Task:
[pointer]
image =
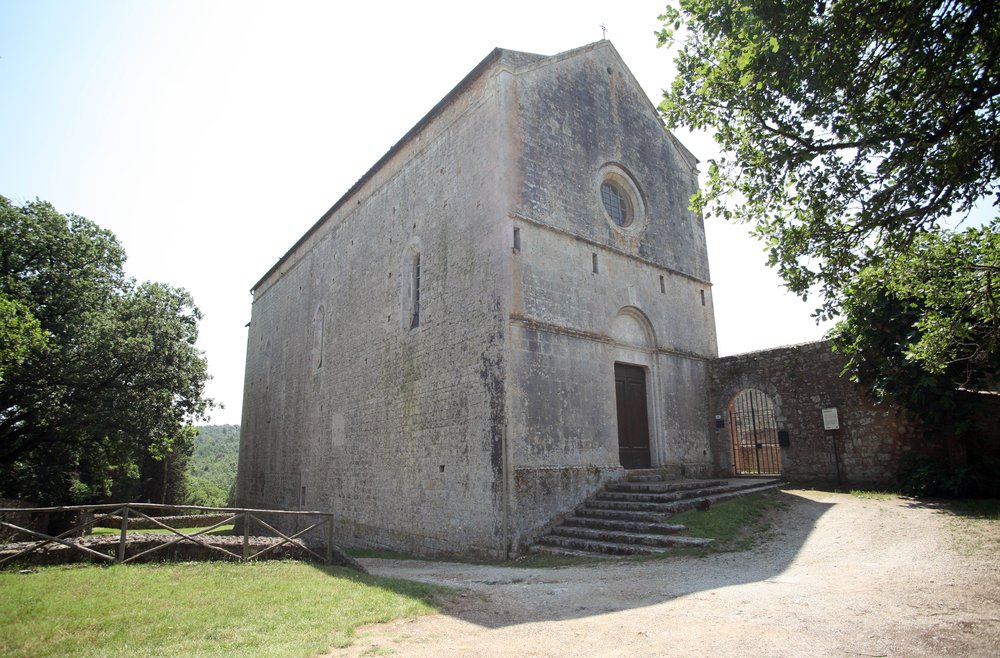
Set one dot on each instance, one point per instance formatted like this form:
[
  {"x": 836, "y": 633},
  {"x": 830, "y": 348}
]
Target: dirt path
[{"x": 842, "y": 576}]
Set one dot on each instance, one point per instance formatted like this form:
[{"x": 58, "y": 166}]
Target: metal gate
[{"x": 755, "y": 434}]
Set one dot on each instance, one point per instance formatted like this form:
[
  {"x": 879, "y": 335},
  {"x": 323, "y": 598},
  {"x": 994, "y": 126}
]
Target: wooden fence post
[
  {"x": 329, "y": 540},
  {"x": 122, "y": 540},
  {"x": 246, "y": 535}
]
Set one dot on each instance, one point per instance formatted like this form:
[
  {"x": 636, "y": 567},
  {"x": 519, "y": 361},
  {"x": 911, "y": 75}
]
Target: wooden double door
[{"x": 633, "y": 421}]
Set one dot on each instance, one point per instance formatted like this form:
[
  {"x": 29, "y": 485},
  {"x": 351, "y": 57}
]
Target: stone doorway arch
[{"x": 636, "y": 386}]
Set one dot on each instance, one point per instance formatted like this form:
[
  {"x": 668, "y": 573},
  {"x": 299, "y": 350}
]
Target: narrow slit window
[
  {"x": 415, "y": 316},
  {"x": 594, "y": 258},
  {"x": 702, "y": 296},
  {"x": 663, "y": 285},
  {"x": 319, "y": 335},
  {"x": 517, "y": 240}
]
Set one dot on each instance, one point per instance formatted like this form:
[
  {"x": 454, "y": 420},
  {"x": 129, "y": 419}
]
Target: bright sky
[{"x": 208, "y": 135}]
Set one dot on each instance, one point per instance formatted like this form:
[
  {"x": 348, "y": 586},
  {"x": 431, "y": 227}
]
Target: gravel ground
[{"x": 839, "y": 576}]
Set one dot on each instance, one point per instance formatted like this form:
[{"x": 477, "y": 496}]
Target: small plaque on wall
[{"x": 830, "y": 419}]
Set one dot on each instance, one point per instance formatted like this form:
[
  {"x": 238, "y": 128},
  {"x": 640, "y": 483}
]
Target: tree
[
  {"x": 211, "y": 476},
  {"x": 926, "y": 322},
  {"x": 851, "y": 131},
  {"x": 934, "y": 302},
  {"x": 116, "y": 376}
]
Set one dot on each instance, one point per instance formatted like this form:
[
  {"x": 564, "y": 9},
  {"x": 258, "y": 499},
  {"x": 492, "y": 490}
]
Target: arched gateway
[{"x": 754, "y": 430}]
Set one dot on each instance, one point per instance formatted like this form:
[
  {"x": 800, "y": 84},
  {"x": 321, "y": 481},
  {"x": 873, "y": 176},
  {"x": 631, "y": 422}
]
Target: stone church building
[{"x": 506, "y": 311}]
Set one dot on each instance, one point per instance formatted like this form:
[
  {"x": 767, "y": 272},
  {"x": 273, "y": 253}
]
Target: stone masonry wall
[
  {"x": 581, "y": 112},
  {"x": 802, "y": 380},
  {"x": 588, "y": 293},
  {"x": 396, "y": 431}
]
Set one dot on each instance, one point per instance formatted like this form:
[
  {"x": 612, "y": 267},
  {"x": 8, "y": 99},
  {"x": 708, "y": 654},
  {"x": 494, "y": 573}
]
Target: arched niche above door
[{"x": 631, "y": 327}]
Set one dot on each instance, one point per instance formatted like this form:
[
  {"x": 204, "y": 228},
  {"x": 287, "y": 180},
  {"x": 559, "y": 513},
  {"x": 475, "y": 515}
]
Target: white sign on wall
[{"x": 830, "y": 419}]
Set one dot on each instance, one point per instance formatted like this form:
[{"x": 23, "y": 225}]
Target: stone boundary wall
[
  {"x": 37, "y": 521},
  {"x": 801, "y": 381},
  {"x": 185, "y": 521}
]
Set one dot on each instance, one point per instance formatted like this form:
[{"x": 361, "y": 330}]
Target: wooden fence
[{"x": 90, "y": 516}]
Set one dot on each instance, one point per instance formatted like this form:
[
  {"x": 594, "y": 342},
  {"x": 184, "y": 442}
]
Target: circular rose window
[
  {"x": 620, "y": 198},
  {"x": 616, "y": 203}
]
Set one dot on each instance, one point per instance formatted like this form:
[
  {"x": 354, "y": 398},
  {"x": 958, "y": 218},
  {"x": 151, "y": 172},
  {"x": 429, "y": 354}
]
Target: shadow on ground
[
  {"x": 986, "y": 508},
  {"x": 497, "y": 596}
]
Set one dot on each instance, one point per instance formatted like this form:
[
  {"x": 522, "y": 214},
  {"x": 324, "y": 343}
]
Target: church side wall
[{"x": 396, "y": 431}]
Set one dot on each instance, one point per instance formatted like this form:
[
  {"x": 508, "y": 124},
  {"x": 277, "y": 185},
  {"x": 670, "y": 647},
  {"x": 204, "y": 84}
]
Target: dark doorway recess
[
  {"x": 756, "y": 449},
  {"x": 633, "y": 423}
]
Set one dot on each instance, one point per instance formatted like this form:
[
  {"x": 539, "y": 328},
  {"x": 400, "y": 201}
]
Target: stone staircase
[{"x": 630, "y": 517}]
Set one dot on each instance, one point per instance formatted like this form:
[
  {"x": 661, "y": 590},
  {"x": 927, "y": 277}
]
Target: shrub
[{"x": 923, "y": 476}]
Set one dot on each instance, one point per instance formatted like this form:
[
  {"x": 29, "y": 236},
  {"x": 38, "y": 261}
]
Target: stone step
[
  {"x": 642, "y": 527},
  {"x": 618, "y": 515},
  {"x": 626, "y": 521},
  {"x": 647, "y": 476},
  {"x": 672, "y": 506},
  {"x": 668, "y": 496},
  {"x": 592, "y": 547},
  {"x": 619, "y": 537},
  {"x": 571, "y": 552},
  {"x": 674, "y": 472},
  {"x": 693, "y": 503},
  {"x": 652, "y": 497},
  {"x": 631, "y": 506},
  {"x": 663, "y": 486}
]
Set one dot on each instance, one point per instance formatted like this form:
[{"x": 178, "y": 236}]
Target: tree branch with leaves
[{"x": 852, "y": 132}]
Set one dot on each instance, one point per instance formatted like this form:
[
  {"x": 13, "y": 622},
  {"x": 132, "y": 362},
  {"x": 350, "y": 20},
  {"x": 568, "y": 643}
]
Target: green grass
[
  {"x": 735, "y": 525},
  {"x": 204, "y": 609}
]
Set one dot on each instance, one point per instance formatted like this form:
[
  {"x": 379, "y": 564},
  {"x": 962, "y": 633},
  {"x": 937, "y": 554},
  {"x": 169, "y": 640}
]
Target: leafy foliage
[
  {"x": 851, "y": 130},
  {"x": 925, "y": 324},
  {"x": 20, "y": 333},
  {"x": 102, "y": 398},
  {"x": 955, "y": 280},
  {"x": 211, "y": 474}
]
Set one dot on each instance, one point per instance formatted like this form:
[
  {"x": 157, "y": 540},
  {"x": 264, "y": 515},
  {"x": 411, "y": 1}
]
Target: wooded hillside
[{"x": 212, "y": 469}]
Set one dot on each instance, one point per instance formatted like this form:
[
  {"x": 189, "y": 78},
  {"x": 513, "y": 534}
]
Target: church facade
[{"x": 511, "y": 308}]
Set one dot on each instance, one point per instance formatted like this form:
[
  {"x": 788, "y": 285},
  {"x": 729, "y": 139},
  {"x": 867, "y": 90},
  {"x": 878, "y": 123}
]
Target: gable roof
[{"x": 498, "y": 57}]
